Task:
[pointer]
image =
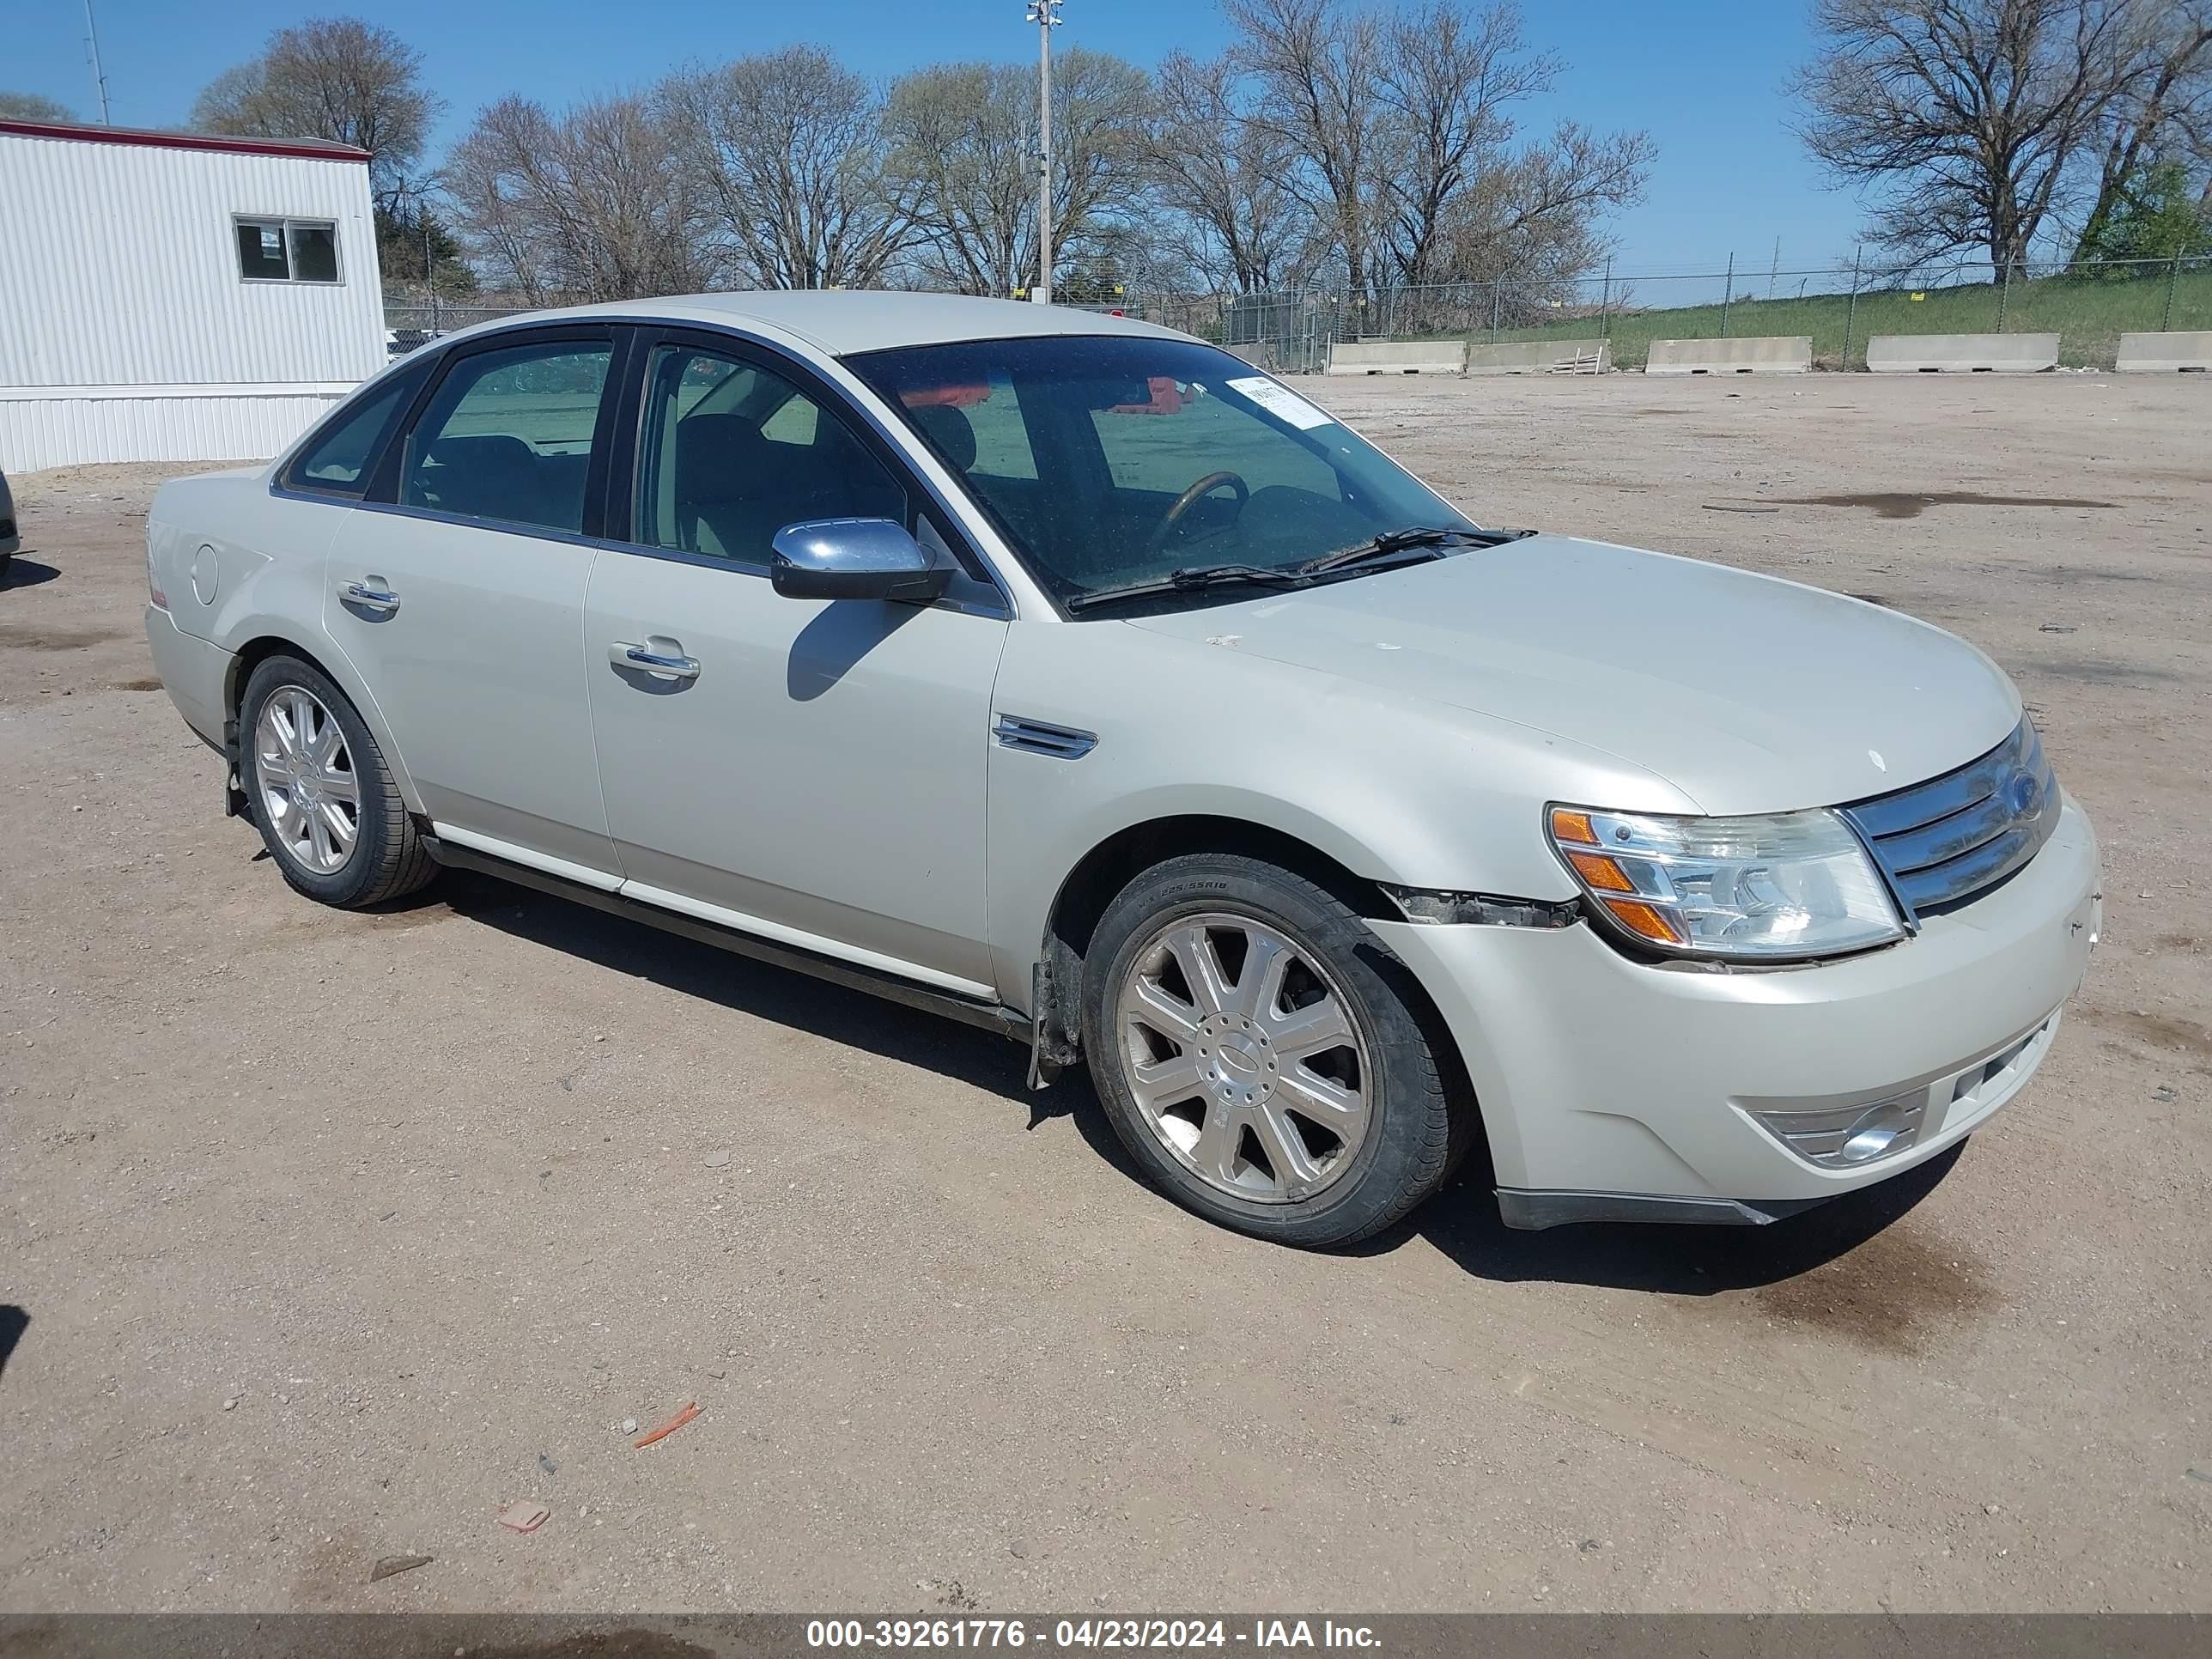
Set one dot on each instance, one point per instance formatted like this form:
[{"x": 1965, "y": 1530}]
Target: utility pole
[
  {"x": 98, "y": 75},
  {"x": 1045, "y": 14},
  {"x": 1851, "y": 314}
]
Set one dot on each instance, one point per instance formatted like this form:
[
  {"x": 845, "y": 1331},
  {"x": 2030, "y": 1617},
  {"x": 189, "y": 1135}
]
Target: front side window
[
  {"x": 288, "y": 250},
  {"x": 730, "y": 453},
  {"x": 508, "y": 437},
  {"x": 1114, "y": 460}
]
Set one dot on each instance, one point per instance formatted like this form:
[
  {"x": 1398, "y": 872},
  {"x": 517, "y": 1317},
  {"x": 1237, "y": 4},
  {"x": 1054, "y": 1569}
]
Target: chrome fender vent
[{"x": 1044, "y": 738}]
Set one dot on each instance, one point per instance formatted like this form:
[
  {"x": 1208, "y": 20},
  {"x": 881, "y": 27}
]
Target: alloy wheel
[
  {"x": 308, "y": 788},
  {"x": 1242, "y": 1053}
]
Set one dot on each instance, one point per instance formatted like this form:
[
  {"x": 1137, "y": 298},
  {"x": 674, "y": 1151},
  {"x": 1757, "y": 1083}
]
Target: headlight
[{"x": 1794, "y": 885}]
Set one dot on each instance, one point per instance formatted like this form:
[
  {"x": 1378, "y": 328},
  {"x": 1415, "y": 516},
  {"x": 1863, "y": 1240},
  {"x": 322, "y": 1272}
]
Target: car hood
[{"x": 1747, "y": 692}]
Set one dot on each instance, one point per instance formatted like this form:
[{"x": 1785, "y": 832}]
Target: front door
[
  {"x": 460, "y": 598},
  {"x": 810, "y": 769}
]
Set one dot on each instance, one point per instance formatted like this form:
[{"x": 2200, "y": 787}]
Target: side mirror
[{"x": 854, "y": 559}]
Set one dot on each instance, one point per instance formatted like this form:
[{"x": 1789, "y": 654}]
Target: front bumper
[{"x": 1616, "y": 1090}]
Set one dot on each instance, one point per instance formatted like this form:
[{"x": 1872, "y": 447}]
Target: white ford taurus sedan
[{"x": 1075, "y": 678}]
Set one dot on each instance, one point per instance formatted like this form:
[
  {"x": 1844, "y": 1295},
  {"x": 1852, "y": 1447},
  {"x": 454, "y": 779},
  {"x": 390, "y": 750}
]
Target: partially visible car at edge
[
  {"x": 1073, "y": 677},
  {"x": 11, "y": 536}
]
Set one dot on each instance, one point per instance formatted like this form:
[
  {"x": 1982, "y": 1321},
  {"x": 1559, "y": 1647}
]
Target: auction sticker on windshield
[{"x": 1281, "y": 402}]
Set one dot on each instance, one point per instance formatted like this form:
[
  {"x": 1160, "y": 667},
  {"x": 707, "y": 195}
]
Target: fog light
[
  {"x": 1876, "y": 1133},
  {"x": 1843, "y": 1137}
]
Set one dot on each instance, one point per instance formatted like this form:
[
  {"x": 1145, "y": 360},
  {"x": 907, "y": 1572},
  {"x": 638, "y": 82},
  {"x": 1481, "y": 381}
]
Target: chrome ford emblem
[{"x": 2022, "y": 791}]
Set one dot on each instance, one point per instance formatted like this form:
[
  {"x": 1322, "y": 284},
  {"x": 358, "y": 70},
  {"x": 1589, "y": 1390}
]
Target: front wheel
[{"x": 1258, "y": 1051}]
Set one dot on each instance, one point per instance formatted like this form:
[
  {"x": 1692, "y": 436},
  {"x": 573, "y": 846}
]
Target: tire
[
  {"x": 1384, "y": 1162},
  {"x": 387, "y": 859}
]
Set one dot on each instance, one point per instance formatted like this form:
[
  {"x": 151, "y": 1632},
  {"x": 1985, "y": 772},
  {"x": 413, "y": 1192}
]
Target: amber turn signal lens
[
  {"x": 1642, "y": 919},
  {"x": 1572, "y": 826},
  {"x": 1600, "y": 872}
]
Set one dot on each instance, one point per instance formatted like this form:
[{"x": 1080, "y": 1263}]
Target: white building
[{"x": 168, "y": 296}]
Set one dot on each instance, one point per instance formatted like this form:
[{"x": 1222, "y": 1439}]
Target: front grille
[{"x": 1952, "y": 838}]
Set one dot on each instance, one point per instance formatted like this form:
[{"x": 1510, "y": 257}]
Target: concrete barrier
[
  {"x": 1772, "y": 354},
  {"x": 2151, "y": 354},
  {"x": 1540, "y": 357},
  {"x": 1397, "y": 356},
  {"x": 1961, "y": 354}
]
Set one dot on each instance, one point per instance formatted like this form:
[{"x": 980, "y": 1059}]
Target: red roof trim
[{"x": 313, "y": 149}]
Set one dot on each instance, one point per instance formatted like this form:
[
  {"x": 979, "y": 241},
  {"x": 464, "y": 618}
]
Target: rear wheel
[
  {"x": 1258, "y": 1051},
  {"x": 320, "y": 792}
]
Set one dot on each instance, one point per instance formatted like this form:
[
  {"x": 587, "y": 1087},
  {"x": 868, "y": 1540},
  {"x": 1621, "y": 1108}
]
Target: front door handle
[
  {"x": 674, "y": 666},
  {"x": 370, "y": 595}
]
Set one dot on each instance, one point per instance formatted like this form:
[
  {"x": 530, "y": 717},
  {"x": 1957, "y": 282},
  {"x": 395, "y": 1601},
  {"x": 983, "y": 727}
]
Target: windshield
[{"x": 1111, "y": 461}]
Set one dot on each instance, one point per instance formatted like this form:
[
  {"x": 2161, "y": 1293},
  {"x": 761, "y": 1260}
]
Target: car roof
[{"x": 842, "y": 322}]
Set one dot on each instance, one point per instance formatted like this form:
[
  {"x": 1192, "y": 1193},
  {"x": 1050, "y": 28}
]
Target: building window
[{"x": 288, "y": 250}]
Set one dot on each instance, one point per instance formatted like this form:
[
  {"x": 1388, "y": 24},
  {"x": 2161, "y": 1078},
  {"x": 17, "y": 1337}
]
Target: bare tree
[
  {"x": 1396, "y": 129},
  {"x": 1317, "y": 67},
  {"x": 31, "y": 106},
  {"x": 1222, "y": 180},
  {"x": 1537, "y": 214},
  {"x": 1963, "y": 117},
  {"x": 588, "y": 205},
  {"x": 339, "y": 78},
  {"x": 963, "y": 148},
  {"x": 1445, "y": 82},
  {"x": 1449, "y": 177},
  {"x": 785, "y": 151},
  {"x": 2163, "y": 113}
]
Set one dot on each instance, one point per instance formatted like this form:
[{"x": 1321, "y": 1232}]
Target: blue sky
[{"x": 1704, "y": 80}]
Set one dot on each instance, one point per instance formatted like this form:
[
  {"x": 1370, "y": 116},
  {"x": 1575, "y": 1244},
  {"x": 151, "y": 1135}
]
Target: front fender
[{"x": 1396, "y": 789}]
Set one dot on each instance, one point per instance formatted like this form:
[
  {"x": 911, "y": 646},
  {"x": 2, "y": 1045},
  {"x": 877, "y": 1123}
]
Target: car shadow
[
  {"x": 1460, "y": 1221},
  {"x": 833, "y": 643},
  {"x": 26, "y": 573},
  {"x": 14, "y": 1321},
  {"x": 1682, "y": 1260},
  {"x": 766, "y": 992}
]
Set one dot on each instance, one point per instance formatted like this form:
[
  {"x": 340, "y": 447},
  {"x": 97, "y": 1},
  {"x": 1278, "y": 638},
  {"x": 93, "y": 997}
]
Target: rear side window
[
  {"x": 336, "y": 458},
  {"x": 508, "y": 438}
]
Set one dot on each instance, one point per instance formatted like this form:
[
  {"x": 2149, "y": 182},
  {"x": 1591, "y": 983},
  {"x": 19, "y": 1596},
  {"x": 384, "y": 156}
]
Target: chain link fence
[
  {"x": 2088, "y": 305},
  {"x": 408, "y": 324}
]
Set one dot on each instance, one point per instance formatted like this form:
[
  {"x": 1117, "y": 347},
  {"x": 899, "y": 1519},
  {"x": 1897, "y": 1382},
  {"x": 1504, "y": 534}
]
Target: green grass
[{"x": 2088, "y": 314}]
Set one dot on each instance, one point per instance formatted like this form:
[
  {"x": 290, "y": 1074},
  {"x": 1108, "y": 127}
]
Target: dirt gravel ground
[{"x": 337, "y": 1232}]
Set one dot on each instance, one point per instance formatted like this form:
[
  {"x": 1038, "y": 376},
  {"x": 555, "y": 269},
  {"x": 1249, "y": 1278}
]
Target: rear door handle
[
  {"x": 674, "y": 666},
  {"x": 370, "y": 595}
]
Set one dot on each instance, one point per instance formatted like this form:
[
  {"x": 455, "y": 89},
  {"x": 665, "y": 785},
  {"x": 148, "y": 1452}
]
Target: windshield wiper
[
  {"x": 1190, "y": 579},
  {"x": 1428, "y": 540}
]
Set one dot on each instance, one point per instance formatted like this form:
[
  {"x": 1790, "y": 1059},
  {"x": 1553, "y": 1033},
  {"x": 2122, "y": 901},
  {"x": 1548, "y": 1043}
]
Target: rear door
[
  {"x": 815, "y": 769},
  {"x": 457, "y": 592}
]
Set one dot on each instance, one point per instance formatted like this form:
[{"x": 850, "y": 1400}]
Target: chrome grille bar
[{"x": 1945, "y": 842}]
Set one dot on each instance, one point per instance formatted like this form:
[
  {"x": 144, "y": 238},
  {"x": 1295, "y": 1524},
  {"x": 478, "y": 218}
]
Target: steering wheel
[{"x": 1190, "y": 498}]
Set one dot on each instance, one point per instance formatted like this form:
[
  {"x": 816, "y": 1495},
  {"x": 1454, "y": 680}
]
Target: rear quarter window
[{"x": 337, "y": 460}]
